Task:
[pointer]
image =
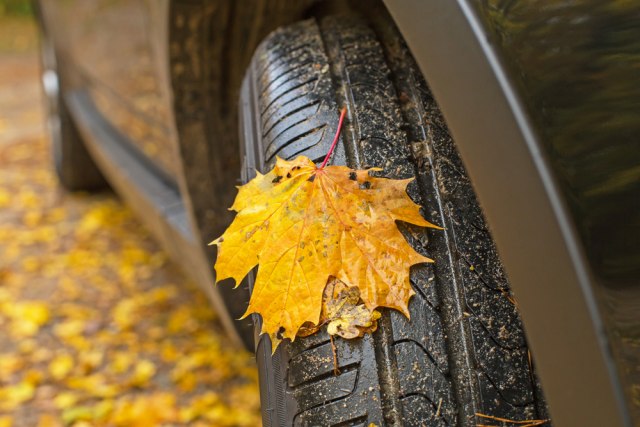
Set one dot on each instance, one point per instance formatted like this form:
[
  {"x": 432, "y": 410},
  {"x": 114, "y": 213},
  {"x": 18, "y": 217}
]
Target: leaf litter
[{"x": 97, "y": 328}]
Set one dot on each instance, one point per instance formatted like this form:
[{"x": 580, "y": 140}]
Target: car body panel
[
  {"x": 158, "y": 202},
  {"x": 119, "y": 49},
  {"x": 156, "y": 195},
  {"x": 504, "y": 150},
  {"x": 583, "y": 97}
]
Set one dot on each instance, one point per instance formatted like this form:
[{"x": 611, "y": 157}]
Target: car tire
[
  {"x": 464, "y": 351},
  {"x": 74, "y": 166}
]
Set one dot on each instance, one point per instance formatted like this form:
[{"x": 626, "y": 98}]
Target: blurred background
[{"x": 97, "y": 327}]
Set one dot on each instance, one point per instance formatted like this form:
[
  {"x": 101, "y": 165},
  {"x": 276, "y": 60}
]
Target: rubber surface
[{"x": 464, "y": 350}]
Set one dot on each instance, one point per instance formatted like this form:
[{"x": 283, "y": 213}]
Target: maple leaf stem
[
  {"x": 343, "y": 112},
  {"x": 336, "y": 370}
]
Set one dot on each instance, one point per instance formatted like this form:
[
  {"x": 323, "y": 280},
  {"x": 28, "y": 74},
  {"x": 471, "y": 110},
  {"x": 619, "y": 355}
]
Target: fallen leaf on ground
[
  {"x": 65, "y": 399},
  {"x": 72, "y": 415},
  {"x": 66, "y": 262},
  {"x": 142, "y": 411},
  {"x": 28, "y": 317},
  {"x": 142, "y": 373},
  {"x": 14, "y": 395},
  {"x": 303, "y": 224},
  {"x": 48, "y": 420},
  {"x": 343, "y": 312},
  {"x": 9, "y": 364},
  {"x": 60, "y": 366}
]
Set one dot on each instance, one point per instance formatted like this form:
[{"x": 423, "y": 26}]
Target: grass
[
  {"x": 18, "y": 31},
  {"x": 19, "y": 8}
]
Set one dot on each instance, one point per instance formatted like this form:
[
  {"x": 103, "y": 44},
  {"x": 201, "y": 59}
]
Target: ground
[{"x": 97, "y": 326}]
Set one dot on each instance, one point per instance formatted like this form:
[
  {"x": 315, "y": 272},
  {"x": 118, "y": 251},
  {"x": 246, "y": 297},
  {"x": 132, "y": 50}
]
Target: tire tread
[{"x": 464, "y": 350}]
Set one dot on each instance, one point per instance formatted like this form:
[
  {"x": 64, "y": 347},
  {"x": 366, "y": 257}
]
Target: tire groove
[
  {"x": 293, "y": 140},
  {"x": 419, "y": 345},
  {"x": 289, "y": 114},
  {"x": 337, "y": 399},
  {"x": 272, "y": 101},
  {"x": 343, "y": 370},
  {"x": 299, "y": 67},
  {"x": 265, "y": 119}
]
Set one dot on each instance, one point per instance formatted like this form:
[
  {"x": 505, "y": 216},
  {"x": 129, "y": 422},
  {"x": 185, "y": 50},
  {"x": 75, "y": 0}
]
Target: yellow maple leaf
[
  {"x": 61, "y": 366},
  {"x": 143, "y": 371},
  {"x": 66, "y": 399},
  {"x": 14, "y": 395},
  {"x": 303, "y": 224},
  {"x": 5, "y": 198},
  {"x": 121, "y": 362},
  {"x": 10, "y": 363},
  {"x": 146, "y": 410},
  {"x": 28, "y": 317},
  {"x": 48, "y": 420}
]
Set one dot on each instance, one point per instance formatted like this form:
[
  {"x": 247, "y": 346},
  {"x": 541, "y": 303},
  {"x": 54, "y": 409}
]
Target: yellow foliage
[
  {"x": 97, "y": 346},
  {"x": 60, "y": 366},
  {"x": 124, "y": 313},
  {"x": 344, "y": 313},
  {"x": 65, "y": 399},
  {"x": 14, "y": 395},
  {"x": 27, "y": 317},
  {"x": 69, "y": 328},
  {"x": 302, "y": 224},
  {"x": 9, "y": 364},
  {"x": 5, "y": 198},
  {"x": 181, "y": 320},
  {"x": 143, "y": 411},
  {"x": 33, "y": 377},
  {"x": 142, "y": 373},
  {"x": 94, "y": 385},
  {"x": 103, "y": 410},
  {"x": 169, "y": 352},
  {"x": 199, "y": 406},
  {"x": 121, "y": 362},
  {"x": 75, "y": 415},
  {"x": 48, "y": 420},
  {"x": 88, "y": 361},
  {"x": 27, "y": 346}
]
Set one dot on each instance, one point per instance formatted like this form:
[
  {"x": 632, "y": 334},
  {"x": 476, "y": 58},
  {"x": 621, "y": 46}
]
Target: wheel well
[{"x": 210, "y": 46}]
